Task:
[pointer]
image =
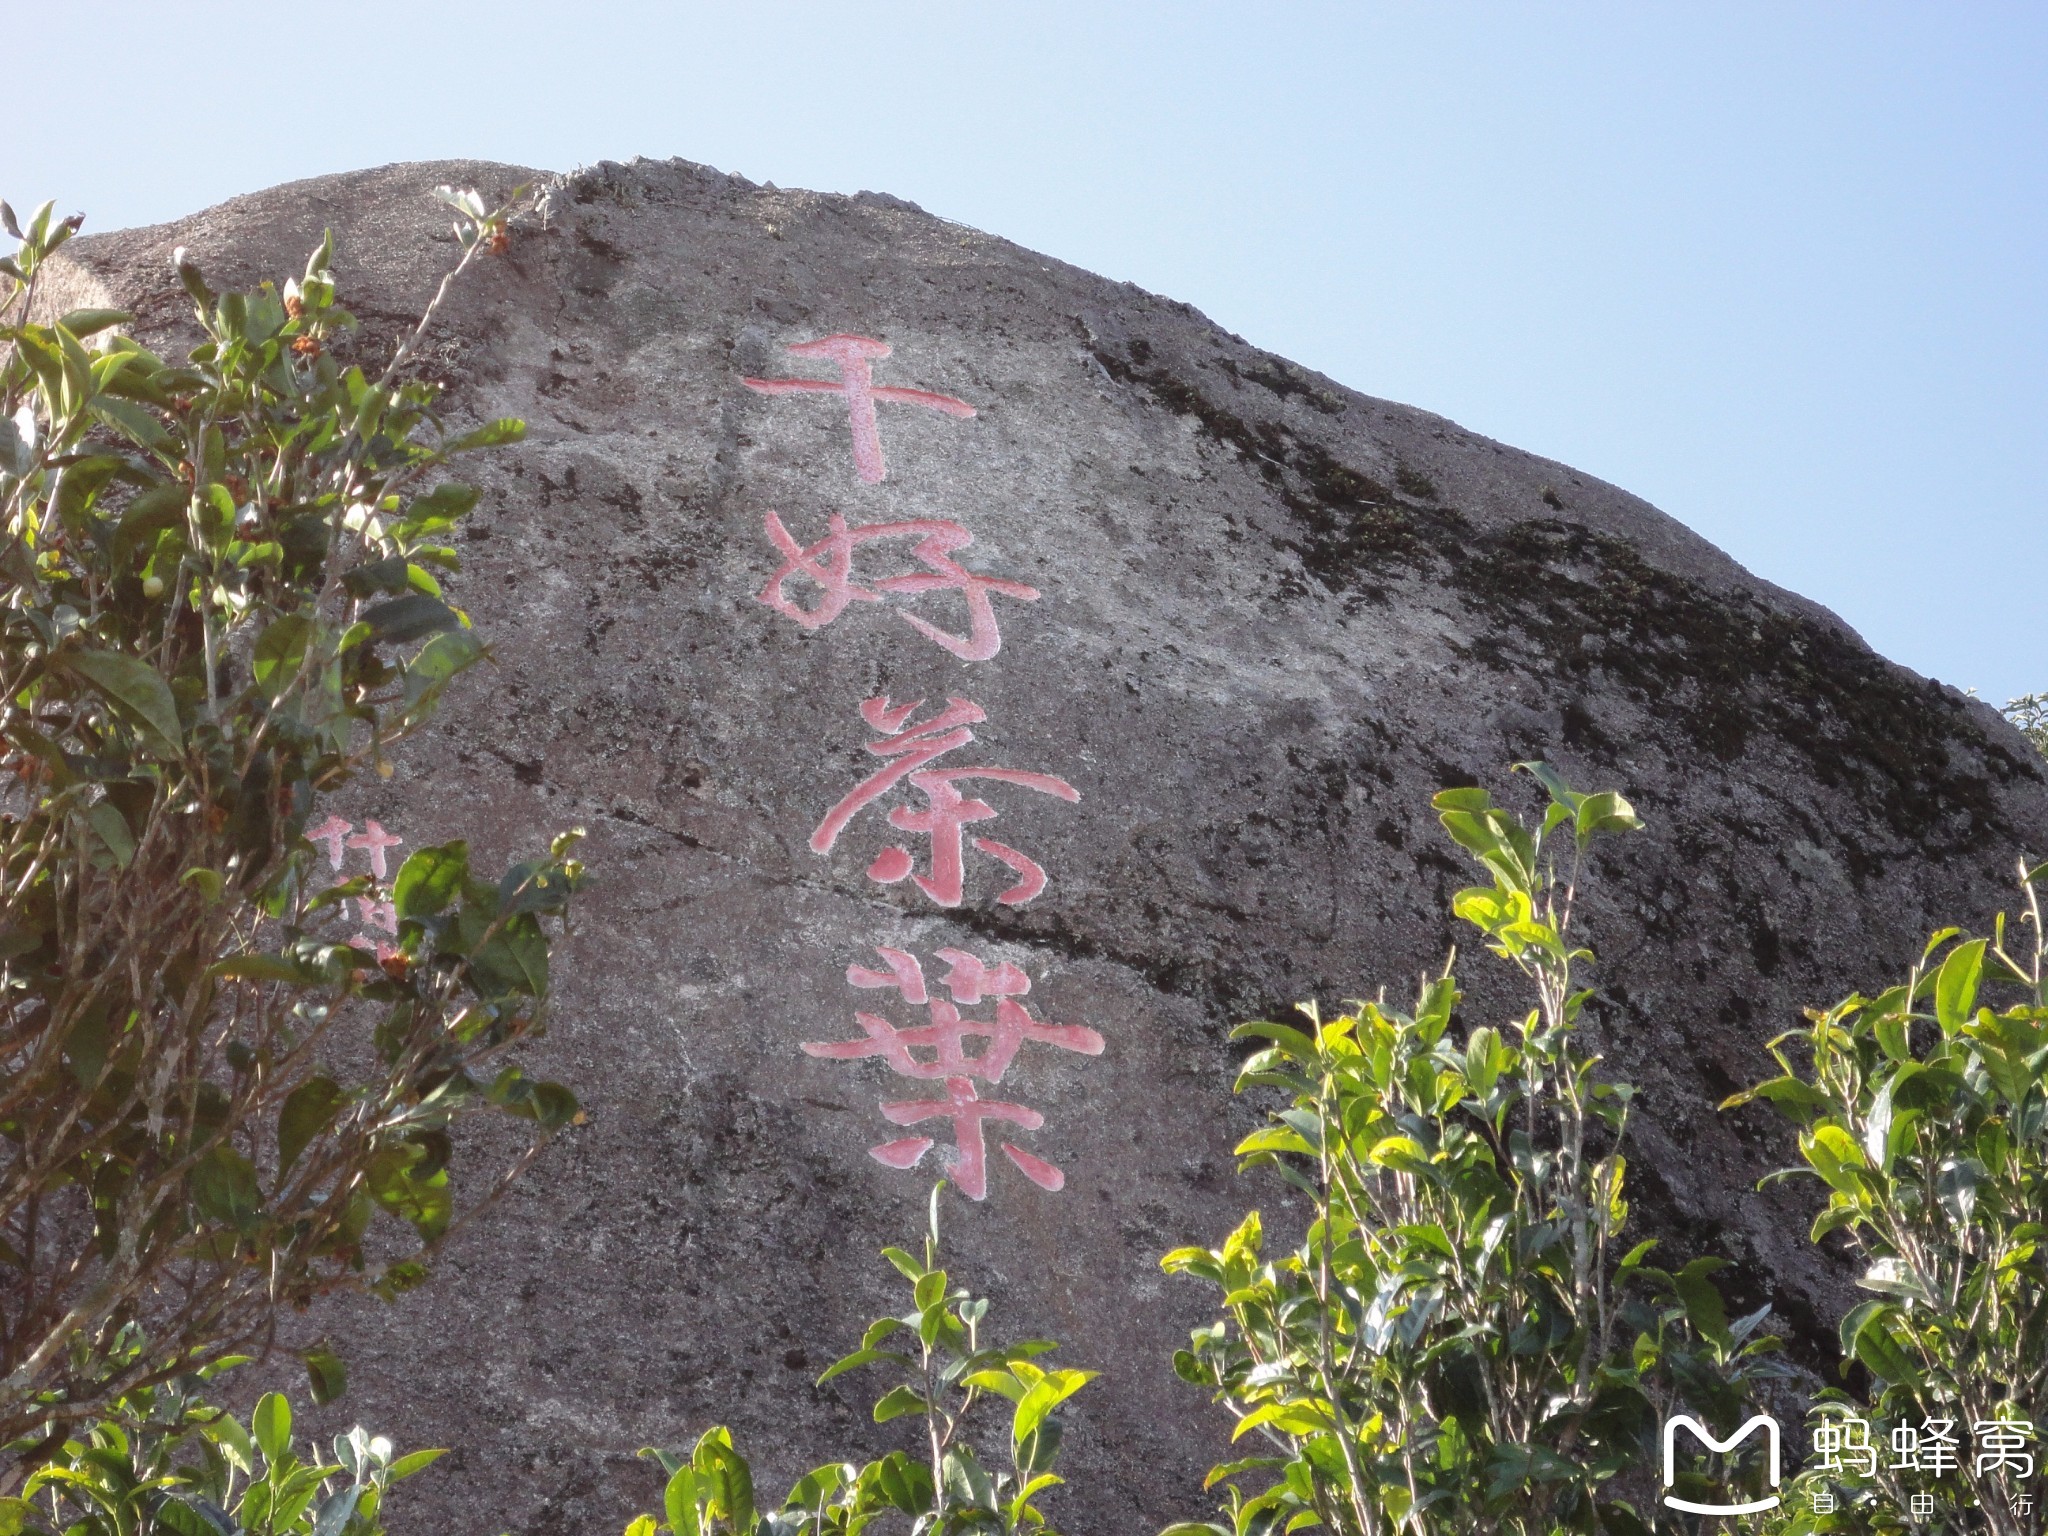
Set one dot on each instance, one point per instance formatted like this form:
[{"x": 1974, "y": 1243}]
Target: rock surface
[{"x": 1272, "y": 616}]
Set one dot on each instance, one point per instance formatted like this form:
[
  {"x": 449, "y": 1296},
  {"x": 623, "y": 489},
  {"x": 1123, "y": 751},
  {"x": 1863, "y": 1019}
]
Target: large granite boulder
[{"x": 1157, "y": 745}]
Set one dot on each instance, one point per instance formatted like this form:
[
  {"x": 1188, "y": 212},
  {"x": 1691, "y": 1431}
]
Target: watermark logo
[{"x": 1700, "y": 1432}]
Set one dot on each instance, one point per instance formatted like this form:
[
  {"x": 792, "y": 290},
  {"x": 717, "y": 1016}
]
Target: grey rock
[{"x": 1275, "y": 616}]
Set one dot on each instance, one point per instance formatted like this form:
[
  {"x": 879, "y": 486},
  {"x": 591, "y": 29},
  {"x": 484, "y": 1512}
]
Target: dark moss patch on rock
[
  {"x": 1577, "y": 608},
  {"x": 1349, "y": 527},
  {"x": 1581, "y": 606}
]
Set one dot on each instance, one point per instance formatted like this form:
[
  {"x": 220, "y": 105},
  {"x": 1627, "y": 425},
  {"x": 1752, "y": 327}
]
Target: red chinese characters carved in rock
[
  {"x": 945, "y": 811},
  {"x": 336, "y": 837},
  {"x": 829, "y": 564},
  {"x": 855, "y": 357},
  {"x": 937, "y": 1052}
]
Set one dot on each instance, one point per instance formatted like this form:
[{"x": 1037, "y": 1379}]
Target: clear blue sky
[{"x": 1777, "y": 267}]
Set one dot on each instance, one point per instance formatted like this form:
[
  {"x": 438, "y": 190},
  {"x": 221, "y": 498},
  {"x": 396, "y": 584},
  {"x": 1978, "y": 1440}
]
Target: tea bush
[
  {"x": 218, "y": 605},
  {"x": 1457, "y": 1343},
  {"x": 945, "y": 1370},
  {"x": 166, "y": 1461},
  {"x": 1922, "y": 1112}
]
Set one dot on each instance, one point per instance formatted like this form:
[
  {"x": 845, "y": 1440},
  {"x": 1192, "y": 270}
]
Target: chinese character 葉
[{"x": 937, "y": 1051}]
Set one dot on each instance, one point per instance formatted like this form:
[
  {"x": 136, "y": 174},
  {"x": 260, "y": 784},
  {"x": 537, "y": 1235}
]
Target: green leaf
[
  {"x": 1955, "y": 985},
  {"x": 1604, "y": 813},
  {"x": 1290, "y": 1041},
  {"x": 135, "y": 689},
  {"x": 429, "y": 879},
  {"x": 130, "y": 419},
  {"x": 181, "y": 1519},
  {"x": 968, "y": 1484},
  {"x": 857, "y": 1359},
  {"x": 819, "y": 1486},
  {"x": 90, "y": 322},
  {"x": 207, "y": 882},
  {"x": 514, "y": 960},
  {"x": 1831, "y": 1219},
  {"x": 1289, "y": 1418},
  {"x": 1054, "y": 1388},
  {"x": 332, "y": 1515},
  {"x": 1192, "y": 1261},
  {"x": 551, "y": 1105},
  {"x": 729, "y": 1480},
  {"x": 227, "y": 1433},
  {"x": 147, "y": 515},
  {"x": 1881, "y": 1353},
  {"x": 1001, "y": 1382},
  {"x": 439, "y": 661},
  {"x": 1877, "y": 1130},
  {"x": 327, "y": 1373},
  {"x": 1491, "y": 907},
  {"x": 280, "y": 652},
  {"x": 903, "y": 1482},
  {"x": 423, "y": 1201},
  {"x": 1894, "y": 1277},
  {"x": 107, "y": 821},
  {"x": 441, "y": 507},
  {"x": 1787, "y": 1092},
  {"x": 1401, "y": 1153},
  {"x": 397, "y": 1279},
  {"x": 679, "y": 1502},
  {"x": 263, "y": 968},
  {"x": 308, "y": 1109},
  {"x": 376, "y": 576},
  {"x": 271, "y": 1424},
  {"x": 411, "y": 617},
  {"x": 896, "y": 1402},
  {"x": 223, "y": 1189},
  {"x": 2014, "y": 1050},
  {"x": 1704, "y": 1308},
  {"x": 415, "y": 1461},
  {"x": 492, "y": 434},
  {"x": 1554, "y": 785},
  {"x": 1956, "y": 1183},
  {"x": 1245, "y": 1242},
  {"x": 532, "y": 886},
  {"x": 86, "y": 1043},
  {"x": 1835, "y": 1156},
  {"x": 1474, "y": 800},
  {"x": 668, "y": 1460},
  {"x": 78, "y": 487},
  {"x": 1893, "y": 1034},
  {"x": 1275, "y": 1138}
]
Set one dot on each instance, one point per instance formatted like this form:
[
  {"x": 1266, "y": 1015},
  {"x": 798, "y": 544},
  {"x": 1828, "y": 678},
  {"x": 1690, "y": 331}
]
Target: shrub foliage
[
  {"x": 1458, "y": 1344},
  {"x": 218, "y": 603},
  {"x": 1922, "y": 1112},
  {"x": 945, "y": 1368}
]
